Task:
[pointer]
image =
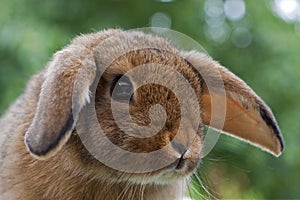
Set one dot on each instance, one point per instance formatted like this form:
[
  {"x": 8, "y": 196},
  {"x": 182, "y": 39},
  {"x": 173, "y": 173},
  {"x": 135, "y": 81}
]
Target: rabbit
[{"x": 42, "y": 155}]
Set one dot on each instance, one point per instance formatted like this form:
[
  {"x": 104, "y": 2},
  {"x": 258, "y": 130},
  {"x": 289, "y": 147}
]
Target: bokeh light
[
  {"x": 288, "y": 10},
  {"x": 221, "y": 17},
  {"x": 166, "y": 1},
  {"x": 160, "y": 19},
  {"x": 234, "y": 9},
  {"x": 216, "y": 29},
  {"x": 241, "y": 37},
  {"x": 214, "y": 8}
]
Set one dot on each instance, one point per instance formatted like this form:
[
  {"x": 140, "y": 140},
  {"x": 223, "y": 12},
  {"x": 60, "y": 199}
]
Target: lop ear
[
  {"x": 247, "y": 117},
  {"x": 64, "y": 92}
]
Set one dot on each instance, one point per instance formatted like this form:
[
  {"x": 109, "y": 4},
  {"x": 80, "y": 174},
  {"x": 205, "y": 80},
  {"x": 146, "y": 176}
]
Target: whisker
[
  {"x": 188, "y": 187},
  {"x": 182, "y": 188},
  {"x": 135, "y": 188},
  {"x": 123, "y": 192},
  {"x": 112, "y": 184},
  {"x": 128, "y": 185},
  {"x": 142, "y": 187},
  {"x": 197, "y": 192},
  {"x": 210, "y": 195}
]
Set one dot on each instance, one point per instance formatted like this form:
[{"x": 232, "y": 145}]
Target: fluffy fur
[{"x": 42, "y": 157}]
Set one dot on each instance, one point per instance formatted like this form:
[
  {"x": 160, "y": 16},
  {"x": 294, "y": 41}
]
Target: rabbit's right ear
[
  {"x": 64, "y": 92},
  {"x": 247, "y": 117}
]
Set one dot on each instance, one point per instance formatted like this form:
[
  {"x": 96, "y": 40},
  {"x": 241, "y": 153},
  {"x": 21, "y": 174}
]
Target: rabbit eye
[{"x": 122, "y": 89}]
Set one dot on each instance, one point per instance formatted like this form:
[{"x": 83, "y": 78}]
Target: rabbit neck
[{"x": 45, "y": 180}]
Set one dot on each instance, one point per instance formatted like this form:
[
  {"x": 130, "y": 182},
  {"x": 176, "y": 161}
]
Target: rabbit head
[{"x": 150, "y": 102}]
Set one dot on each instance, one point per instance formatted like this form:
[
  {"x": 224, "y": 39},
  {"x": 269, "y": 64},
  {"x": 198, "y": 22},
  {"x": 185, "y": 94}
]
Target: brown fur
[{"x": 54, "y": 164}]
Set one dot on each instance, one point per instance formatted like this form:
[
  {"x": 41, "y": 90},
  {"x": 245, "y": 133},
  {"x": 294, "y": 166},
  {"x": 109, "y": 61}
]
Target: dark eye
[{"x": 121, "y": 89}]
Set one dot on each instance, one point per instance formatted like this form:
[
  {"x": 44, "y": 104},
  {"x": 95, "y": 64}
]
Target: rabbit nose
[
  {"x": 181, "y": 149},
  {"x": 177, "y": 146}
]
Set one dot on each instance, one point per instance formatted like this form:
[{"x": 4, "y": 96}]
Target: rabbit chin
[{"x": 177, "y": 171}]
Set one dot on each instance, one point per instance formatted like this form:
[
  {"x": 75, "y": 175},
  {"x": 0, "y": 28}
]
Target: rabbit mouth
[
  {"x": 179, "y": 170},
  {"x": 184, "y": 166},
  {"x": 181, "y": 167}
]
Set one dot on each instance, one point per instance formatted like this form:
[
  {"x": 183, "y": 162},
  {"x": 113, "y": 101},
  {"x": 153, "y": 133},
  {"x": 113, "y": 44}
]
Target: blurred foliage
[{"x": 258, "y": 46}]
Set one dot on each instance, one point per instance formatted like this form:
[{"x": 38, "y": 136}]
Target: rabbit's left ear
[
  {"x": 66, "y": 89},
  {"x": 247, "y": 117},
  {"x": 63, "y": 94}
]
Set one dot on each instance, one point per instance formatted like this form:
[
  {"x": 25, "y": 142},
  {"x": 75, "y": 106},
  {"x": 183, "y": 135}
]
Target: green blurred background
[{"x": 256, "y": 39}]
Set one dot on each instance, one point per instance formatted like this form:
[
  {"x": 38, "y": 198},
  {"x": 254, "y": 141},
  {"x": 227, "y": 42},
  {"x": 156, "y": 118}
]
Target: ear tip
[
  {"x": 277, "y": 154},
  {"x": 279, "y": 148},
  {"x": 34, "y": 149},
  {"x": 37, "y": 151},
  {"x": 279, "y": 139},
  {"x": 282, "y": 146},
  {"x": 43, "y": 142},
  {"x": 269, "y": 119}
]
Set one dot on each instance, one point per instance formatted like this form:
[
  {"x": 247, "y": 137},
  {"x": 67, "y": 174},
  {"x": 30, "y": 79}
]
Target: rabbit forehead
[
  {"x": 133, "y": 40},
  {"x": 125, "y": 51},
  {"x": 119, "y": 45},
  {"x": 148, "y": 56}
]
